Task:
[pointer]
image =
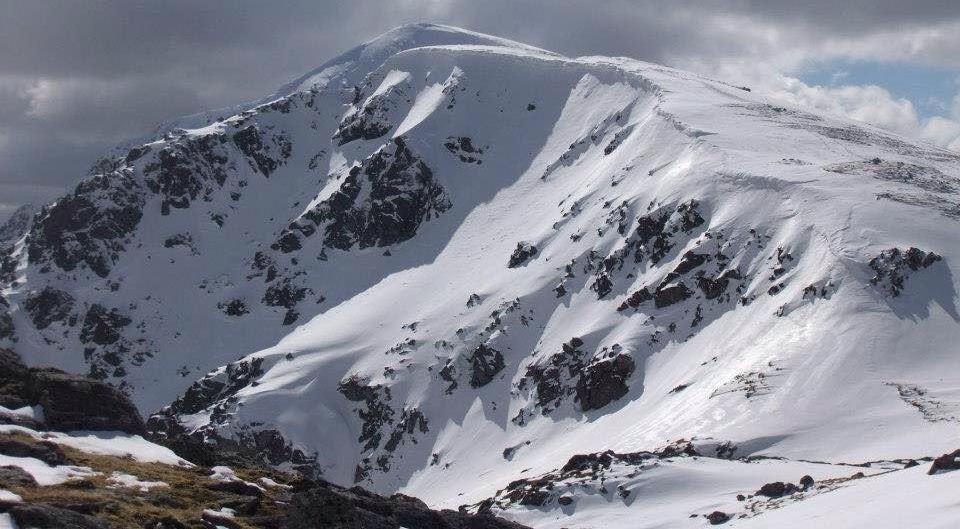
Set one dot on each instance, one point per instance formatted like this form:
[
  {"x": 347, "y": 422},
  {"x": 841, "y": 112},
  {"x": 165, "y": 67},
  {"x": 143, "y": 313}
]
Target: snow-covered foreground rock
[
  {"x": 443, "y": 262},
  {"x": 679, "y": 487}
]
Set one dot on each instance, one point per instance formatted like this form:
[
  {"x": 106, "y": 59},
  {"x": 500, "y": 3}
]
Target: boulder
[
  {"x": 47, "y": 517},
  {"x": 69, "y": 402}
]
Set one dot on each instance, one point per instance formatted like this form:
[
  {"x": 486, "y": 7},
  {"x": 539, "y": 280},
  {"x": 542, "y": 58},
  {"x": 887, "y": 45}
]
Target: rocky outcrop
[
  {"x": 49, "y": 517},
  {"x": 382, "y": 202},
  {"x": 894, "y": 266},
  {"x": 68, "y": 402},
  {"x": 594, "y": 382},
  {"x": 604, "y": 381},
  {"x": 523, "y": 253},
  {"x": 89, "y": 227}
]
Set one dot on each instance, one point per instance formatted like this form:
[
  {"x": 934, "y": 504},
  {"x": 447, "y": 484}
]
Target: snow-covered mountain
[{"x": 443, "y": 262}]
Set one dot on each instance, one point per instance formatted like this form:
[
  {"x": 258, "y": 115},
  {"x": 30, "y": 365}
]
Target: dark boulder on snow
[
  {"x": 894, "y": 266},
  {"x": 485, "y": 362},
  {"x": 946, "y": 462},
  {"x": 776, "y": 489},
  {"x": 717, "y": 517},
  {"x": 523, "y": 253},
  {"x": 668, "y": 295},
  {"x": 604, "y": 382}
]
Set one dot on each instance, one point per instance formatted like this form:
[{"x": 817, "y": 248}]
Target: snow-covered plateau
[{"x": 574, "y": 292}]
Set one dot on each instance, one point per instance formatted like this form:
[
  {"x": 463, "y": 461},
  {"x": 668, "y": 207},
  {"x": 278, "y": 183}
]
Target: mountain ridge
[{"x": 477, "y": 240}]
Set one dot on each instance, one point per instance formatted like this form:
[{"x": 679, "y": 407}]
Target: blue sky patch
[{"x": 930, "y": 88}]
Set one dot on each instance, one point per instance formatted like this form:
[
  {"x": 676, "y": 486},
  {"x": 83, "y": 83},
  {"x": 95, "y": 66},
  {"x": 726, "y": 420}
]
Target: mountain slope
[{"x": 445, "y": 256}]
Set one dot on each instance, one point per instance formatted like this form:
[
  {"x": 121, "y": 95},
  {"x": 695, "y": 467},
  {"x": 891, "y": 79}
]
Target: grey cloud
[{"x": 79, "y": 77}]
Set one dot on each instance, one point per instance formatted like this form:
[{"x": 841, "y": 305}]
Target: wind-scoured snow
[{"x": 444, "y": 262}]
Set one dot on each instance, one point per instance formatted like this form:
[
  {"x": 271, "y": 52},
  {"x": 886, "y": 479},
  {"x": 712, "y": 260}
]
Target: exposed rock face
[
  {"x": 593, "y": 382},
  {"x": 381, "y": 202},
  {"x": 102, "y": 326},
  {"x": 523, "y": 253},
  {"x": 604, "y": 381},
  {"x": 90, "y": 226},
  {"x": 372, "y": 118},
  {"x": 69, "y": 402},
  {"x": 265, "y": 152},
  {"x": 946, "y": 462},
  {"x": 894, "y": 266},
  {"x": 47, "y": 306},
  {"x": 216, "y": 392},
  {"x": 486, "y": 363}
]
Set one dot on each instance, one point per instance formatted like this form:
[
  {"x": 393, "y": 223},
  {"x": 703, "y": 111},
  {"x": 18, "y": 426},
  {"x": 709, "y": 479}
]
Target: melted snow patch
[
  {"x": 106, "y": 443},
  {"x": 44, "y": 474},
  {"x": 26, "y": 412},
  {"x": 8, "y": 497},
  {"x": 120, "y": 480}
]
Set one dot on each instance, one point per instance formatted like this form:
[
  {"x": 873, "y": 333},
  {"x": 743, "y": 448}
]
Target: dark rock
[
  {"x": 565, "y": 500},
  {"x": 48, "y": 306},
  {"x": 69, "y": 402},
  {"x": 45, "y": 451},
  {"x": 485, "y": 362},
  {"x": 165, "y": 522},
  {"x": 690, "y": 261},
  {"x": 16, "y": 476},
  {"x": 636, "y": 299},
  {"x": 244, "y": 505},
  {"x": 90, "y": 225},
  {"x": 236, "y": 486},
  {"x": 718, "y": 517},
  {"x": 946, "y": 462},
  {"x": 588, "y": 462},
  {"x": 806, "y": 482},
  {"x": 47, "y": 517},
  {"x": 400, "y": 192},
  {"x": 776, "y": 489},
  {"x": 535, "y": 498},
  {"x": 329, "y": 507},
  {"x": 101, "y": 326},
  {"x": 265, "y": 156},
  {"x": 604, "y": 381},
  {"x": 522, "y": 254},
  {"x": 72, "y": 402},
  {"x": 713, "y": 288},
  {"x": 670, "y": 294},
  {"x": 894, "y": 266}
]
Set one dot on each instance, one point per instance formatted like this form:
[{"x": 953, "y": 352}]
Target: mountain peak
[{"x": 408, "y": 36}]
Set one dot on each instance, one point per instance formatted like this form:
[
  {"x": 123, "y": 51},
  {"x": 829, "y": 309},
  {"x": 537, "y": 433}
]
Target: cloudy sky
[{"x": 79, "y": 77}]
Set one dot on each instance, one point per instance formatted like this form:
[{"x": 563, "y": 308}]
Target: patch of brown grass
[{"x": 185, "y": 497}]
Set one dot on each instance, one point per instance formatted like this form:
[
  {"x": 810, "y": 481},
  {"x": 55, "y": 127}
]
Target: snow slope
[{"x": 443, "y": 261}]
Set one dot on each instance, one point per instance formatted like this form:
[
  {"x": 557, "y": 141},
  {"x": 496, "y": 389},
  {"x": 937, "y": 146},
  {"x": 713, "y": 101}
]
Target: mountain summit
[{"x": 447, "y": 263}]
